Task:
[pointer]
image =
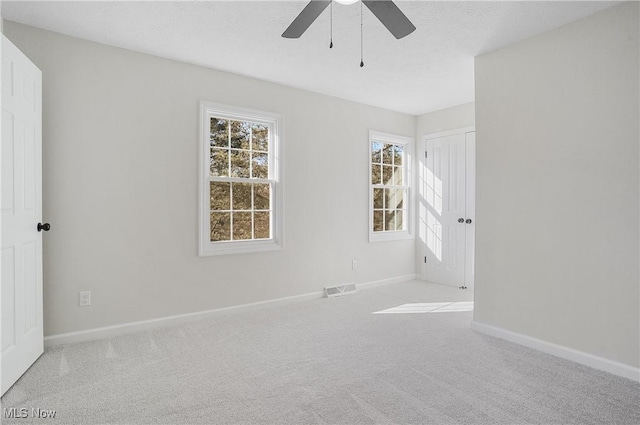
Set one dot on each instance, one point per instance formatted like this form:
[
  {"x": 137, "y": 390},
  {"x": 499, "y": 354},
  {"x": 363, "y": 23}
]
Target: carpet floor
[{"x": 326, "y": 361}]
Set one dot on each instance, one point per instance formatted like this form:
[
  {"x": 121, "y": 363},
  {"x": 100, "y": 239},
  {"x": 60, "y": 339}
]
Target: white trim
[
  {"x": 440, "y": 134},
  {"x": 596, "y": 362},
  {"x": 389, "y": 138},
  {"x": 421, "y": 148},
  {"x": 276, "y": 124},
  {"x": 143, "y": 325},
  {"x": 408, "y": 143},
  {"x": 382, "y": 282},
  {"x": 384, "y": 236},
  {"x": 239, "y": 113}
]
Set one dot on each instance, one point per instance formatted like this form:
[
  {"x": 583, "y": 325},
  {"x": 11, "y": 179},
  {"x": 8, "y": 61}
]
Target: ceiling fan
[{"x": 385, "y": 10}]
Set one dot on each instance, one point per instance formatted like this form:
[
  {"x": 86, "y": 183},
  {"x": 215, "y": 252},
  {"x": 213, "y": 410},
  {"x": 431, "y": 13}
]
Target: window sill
[
  {"x": 389, "y": 236},
  {"x": 208, "y": 249}
]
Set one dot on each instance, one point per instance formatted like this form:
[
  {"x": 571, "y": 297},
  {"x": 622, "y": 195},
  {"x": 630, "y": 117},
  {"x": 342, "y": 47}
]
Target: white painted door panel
[
  {"x": 21, "y": 205},
  {"x": 470, "y": 207},
  {"x": 444, "y": 205}
]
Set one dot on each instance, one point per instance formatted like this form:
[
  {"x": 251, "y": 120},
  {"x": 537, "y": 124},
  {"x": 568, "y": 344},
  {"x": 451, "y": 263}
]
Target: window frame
[
  {"x": 407, "y": 166},
  {"x": 276, "y": 129}
]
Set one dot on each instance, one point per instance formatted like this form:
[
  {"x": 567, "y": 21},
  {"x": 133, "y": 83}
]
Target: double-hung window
[
  {"x": 390, "y": 186},
  {"x": 241, "y": 195}
]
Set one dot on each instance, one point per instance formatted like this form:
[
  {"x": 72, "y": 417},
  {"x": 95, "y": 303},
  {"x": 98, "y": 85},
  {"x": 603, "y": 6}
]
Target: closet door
[
  {"x": 446, "y": 210},
  {"x": 470, "y": 207}
]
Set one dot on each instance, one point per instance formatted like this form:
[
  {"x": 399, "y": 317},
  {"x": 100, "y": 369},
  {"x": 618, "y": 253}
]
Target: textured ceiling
[{"x": 428, "y": 70}]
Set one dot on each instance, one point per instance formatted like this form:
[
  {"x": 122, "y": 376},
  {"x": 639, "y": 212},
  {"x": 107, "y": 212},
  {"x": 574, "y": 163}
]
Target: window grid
[
  {"x": 229, "y": 150},
  {"x": 251, "y": 153},
  {"x": 251, "y": 210},
  {"x": 389, "y": 178}
]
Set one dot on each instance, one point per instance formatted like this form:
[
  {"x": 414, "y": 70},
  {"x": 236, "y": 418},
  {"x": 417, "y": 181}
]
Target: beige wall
[
  {"x": 557, "y": 125},
  {"x": 454, "y": 118},
  {"x": 121, "y": 187}
]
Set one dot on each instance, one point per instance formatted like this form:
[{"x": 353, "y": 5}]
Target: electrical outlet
[
  {"x": 354, "y": 265},
  {"x": 85, "y": 298}
]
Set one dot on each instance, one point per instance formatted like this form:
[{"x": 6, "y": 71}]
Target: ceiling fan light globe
[{"x": 346, "y": 1}]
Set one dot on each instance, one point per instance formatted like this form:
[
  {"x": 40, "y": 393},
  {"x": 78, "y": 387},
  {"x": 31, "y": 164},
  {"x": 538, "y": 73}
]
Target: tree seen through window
[
  {"x": 388, "y": 186},
  {"x": 240, "y": 190}
]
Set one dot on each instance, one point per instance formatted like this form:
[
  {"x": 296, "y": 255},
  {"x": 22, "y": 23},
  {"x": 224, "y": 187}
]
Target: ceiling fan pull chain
[
  {"x": 361, "y": 60},
  {"x": 331, "y": 24}
]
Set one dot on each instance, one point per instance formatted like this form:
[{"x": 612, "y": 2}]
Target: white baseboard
[
  {"x": 397, "y": 279},
  {"x": 596, "y": 362},
  {"x": 143, "y": 325}
]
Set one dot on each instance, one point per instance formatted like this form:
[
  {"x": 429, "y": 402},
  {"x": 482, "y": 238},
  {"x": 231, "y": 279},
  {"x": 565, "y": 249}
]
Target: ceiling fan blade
[
  {"x": 391, "y": 17},
  {"x": 305, "y": 18}
]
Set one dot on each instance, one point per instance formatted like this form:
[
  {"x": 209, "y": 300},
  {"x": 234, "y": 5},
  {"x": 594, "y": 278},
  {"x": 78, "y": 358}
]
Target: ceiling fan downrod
[
  {"x": 361, "y": 39},
  {"x": 331, "y": 25}
]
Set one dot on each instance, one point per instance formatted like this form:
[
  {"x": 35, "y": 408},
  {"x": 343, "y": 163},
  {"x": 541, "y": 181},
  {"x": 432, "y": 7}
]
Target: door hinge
[
  {"x": 425, "y": 154},
  {"x": 425, "y": 259}
]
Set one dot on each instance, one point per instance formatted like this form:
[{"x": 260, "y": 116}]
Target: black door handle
[
  {"x": 468, "y": 221},
  {"x": 461, "y": 220},
  {"x": 45, "y": 227}
]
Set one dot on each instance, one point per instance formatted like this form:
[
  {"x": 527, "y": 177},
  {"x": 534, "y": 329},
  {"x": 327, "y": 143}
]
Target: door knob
[
  {"x": 461, "y": 220},
  {"x": 468, "y": 221},
  {"x": 45, "y": 227}
]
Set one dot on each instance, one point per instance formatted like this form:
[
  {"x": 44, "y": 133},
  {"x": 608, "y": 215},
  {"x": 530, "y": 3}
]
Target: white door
[
  {"x": 446, "y": 209},
  {"x": 470, "y": 206},
  {"x": 21, "y": 204}
]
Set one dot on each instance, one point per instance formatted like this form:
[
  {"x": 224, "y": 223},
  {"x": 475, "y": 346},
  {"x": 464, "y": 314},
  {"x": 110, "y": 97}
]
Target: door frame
[{"x": 469, "y": 201}]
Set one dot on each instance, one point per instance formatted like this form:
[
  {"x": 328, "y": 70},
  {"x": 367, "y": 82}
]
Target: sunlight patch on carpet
[{"x": 444, "y": 307}]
